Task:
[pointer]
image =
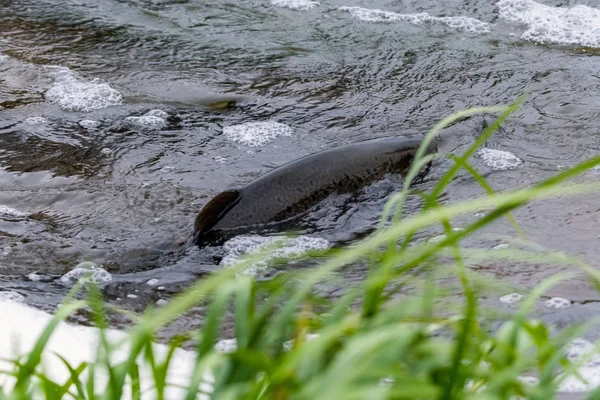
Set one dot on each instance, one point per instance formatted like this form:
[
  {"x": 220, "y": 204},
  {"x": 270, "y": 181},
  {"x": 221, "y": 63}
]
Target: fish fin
[{"x": 214, "y": 210}]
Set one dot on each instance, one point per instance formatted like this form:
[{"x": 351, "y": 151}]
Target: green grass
[{"x": 375, "y": 341}]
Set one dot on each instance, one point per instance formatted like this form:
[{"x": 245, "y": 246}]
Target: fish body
[{"x": 295, "y": 187}]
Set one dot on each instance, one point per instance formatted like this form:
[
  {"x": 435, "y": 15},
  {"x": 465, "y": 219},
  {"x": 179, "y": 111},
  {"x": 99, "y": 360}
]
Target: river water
[{"x": 120, "y": 119}]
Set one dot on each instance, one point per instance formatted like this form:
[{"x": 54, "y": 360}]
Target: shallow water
[{"x": 116, "y": 121}]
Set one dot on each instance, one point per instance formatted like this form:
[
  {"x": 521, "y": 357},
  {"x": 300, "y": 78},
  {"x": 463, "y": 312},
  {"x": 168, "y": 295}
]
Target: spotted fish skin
[{"x": 295, "y": 187}]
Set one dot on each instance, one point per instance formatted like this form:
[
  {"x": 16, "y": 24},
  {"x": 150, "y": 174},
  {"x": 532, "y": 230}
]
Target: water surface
[{"x": 113, "y": 113}]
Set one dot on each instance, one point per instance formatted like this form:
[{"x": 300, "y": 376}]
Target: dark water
[{"x": 125, "y": 195}]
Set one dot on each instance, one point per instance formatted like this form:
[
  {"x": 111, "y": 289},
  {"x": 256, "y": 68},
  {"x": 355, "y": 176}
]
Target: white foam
[
  {"x": 226, "y": 345},
  {"x": 22, "y": 325},
  {"x": 148, "y": 120},
  {"x": 290, "y": 343},
  {"x": 460, "y": 23},
  {"x": 256, "y": 134},
  {"x": 89, "y": 124},
  {"x": 295, "y": 4},
  {"x": 36, "y": 120},
  {"x": 106, "y": 151},
  {"x": 152, "y": 119},
  {"x": 577, "y": 25},
  {"x": 590, "y": 371},
  {"x": 230, "y": 345},
  {"x": 11, "y": 212},
  {"x": 578, "y": 348},
  {"x": 511, "y": 298},
  {"x": 248, "y": 244},
  {"x": 499, "y": 160},
  {"x": 158, "y": 113},
  {"x": 11, "y": 296},
  {"x": 220, "y": 159},
  {"x": 98, "y": 274},
  {"x": 75, "y": 94},
  {"x": 557, "y": 302},
  {"x": 34, "y": 277},
  {"x": 442, "y": 237},
  {"x": 529, "y": 380},
  {"x": 6, "y": 251}
]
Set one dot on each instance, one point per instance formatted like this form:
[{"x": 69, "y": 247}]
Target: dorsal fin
[{"x": 214, "y": 210}]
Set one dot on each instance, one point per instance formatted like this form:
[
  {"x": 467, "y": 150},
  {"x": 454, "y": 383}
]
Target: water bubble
[
  {"x": 589, "y": 372},
  {"x": 158, "y": 113},
  {"x": 461, "y": 23},
  {"x": 97, "y": 273},
  {"x": 34, "y": 277},
  {"x": 295, "y": 4},
  {"x": 290, "y": 343},
  {"x": 106, "y": 151},
  {"x": 89, "y": 124},
  {"x": 74, "y": 94},
  {"x": 226, "y": 346},
  {"x": 499, "y": 160},
  {"x": 442, "y": 237},
  {"x": 150, "y": 121},
  {"x": 11, "y": 212},
  {"x": 557, "y": 302},
  {"x": 36, "y": 120},
  {"x": 256, "y": 134},
  {"x": 152, "y": 282},
  {"x": 247, "y": 244},
  {"x": 511, "y": 298},
  {"x": 530, "y": 380}
]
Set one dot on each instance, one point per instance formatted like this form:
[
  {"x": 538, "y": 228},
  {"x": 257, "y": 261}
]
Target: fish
[{"x": 290, "y": 190}]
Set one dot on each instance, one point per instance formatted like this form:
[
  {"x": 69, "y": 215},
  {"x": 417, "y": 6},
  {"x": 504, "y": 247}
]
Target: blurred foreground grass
[{"x": 291, "y": 343}]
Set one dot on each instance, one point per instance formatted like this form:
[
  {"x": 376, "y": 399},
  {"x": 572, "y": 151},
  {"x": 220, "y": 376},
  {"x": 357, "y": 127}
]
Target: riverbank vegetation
[{"x": 401, "y": 333}]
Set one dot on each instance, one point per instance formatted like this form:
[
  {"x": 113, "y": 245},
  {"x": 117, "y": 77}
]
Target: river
[{"x": 120, "y": 119}]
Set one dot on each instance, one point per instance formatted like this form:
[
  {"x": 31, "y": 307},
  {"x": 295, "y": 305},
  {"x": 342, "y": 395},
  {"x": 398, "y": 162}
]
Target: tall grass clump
[{"x": 400, "y": 333}]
